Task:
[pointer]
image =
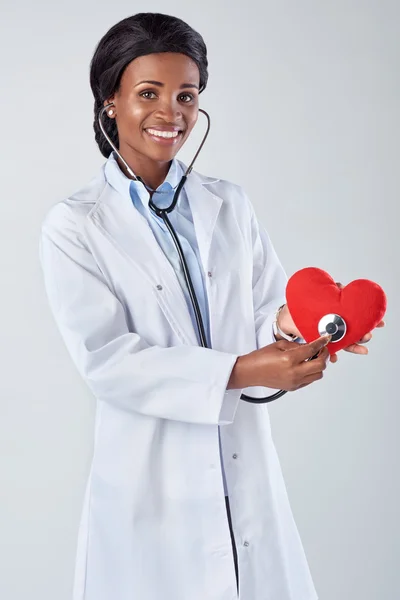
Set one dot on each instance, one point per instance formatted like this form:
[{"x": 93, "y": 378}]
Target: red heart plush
[{"x": 312, "y": 293}]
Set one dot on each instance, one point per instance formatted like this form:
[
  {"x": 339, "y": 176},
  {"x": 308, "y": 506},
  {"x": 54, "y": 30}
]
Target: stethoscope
[{"x": 331, "y": 324}]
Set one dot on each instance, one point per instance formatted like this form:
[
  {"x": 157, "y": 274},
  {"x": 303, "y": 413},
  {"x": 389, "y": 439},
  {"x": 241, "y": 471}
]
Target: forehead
[{"x": 168, "y": 67}]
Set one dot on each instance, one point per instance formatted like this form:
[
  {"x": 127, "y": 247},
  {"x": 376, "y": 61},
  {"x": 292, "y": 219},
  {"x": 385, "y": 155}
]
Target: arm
[{"x": 184, "y": 383}]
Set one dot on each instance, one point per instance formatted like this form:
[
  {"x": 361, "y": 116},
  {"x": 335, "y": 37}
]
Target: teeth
[{"x": 164, "y": 134}]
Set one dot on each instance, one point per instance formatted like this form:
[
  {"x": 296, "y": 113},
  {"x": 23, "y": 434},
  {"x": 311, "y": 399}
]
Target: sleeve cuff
[{"x": 230, "y": 399}]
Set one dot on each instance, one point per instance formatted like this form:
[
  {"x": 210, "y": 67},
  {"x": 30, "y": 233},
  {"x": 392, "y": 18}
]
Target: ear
[{"x": 111, "y": 110}]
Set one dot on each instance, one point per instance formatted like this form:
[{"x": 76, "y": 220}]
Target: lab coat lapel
[
  {"x": 118, "y": 220},
  {"x": 205, "y": 207}
]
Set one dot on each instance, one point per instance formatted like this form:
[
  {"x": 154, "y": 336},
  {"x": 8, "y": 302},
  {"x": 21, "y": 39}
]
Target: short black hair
[{"x": 138, "y": 35}]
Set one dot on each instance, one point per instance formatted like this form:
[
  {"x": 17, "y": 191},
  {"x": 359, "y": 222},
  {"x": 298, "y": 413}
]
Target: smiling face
[{"x": 158, "y": 92}]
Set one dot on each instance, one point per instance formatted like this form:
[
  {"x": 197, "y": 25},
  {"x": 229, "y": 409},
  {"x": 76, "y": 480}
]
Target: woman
[{"x": 173, "y": 439}]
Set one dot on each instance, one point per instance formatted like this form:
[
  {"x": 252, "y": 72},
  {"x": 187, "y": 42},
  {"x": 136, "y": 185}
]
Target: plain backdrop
[{"x": 304, "y": 101}]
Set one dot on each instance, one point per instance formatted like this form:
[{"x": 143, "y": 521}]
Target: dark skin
[
  {"x": 142, "y": 105},
  {"x": 174, "y": 101}
]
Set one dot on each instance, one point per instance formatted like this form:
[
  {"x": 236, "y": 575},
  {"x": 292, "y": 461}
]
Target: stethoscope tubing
[{"x": 163, "y": 213}]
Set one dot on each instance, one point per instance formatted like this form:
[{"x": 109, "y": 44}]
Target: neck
[{"x": 152, "y": 172}]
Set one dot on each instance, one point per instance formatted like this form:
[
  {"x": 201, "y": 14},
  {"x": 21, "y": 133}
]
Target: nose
[{"x": 170, "y": 111}]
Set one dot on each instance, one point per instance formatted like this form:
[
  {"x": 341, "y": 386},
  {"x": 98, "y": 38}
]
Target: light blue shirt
[{"x": 182, "y": 221}]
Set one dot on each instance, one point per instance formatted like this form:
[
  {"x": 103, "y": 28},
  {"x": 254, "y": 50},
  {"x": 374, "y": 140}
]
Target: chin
[{"x": 163, "y": 154}]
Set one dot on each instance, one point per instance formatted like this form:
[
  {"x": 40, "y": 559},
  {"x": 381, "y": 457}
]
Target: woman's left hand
[{"x": 287, "y": 325}]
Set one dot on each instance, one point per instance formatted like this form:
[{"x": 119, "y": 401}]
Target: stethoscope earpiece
[{"x": 333, "y": 325}]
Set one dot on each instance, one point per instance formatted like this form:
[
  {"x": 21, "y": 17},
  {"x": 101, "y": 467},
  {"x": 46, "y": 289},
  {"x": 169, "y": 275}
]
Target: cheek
[
  {"x": 135, "y": 114},
  {"x": 132, "y": 114},
  {"x": 130, "y": 125},
  {"x": 192, "y": 121}
]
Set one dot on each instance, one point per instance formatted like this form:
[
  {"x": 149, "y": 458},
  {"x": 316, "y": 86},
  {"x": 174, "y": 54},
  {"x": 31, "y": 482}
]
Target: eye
[
  {"x": 142, "y": 93},
  {"x": 190, "y": 96}
]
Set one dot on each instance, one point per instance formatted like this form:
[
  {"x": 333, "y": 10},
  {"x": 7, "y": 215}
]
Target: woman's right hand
[{"x": 282, "y": 365}]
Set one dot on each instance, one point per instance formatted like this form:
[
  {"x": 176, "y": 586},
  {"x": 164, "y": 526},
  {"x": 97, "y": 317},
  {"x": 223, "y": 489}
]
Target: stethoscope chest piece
[{"x": 333, "y": 325}]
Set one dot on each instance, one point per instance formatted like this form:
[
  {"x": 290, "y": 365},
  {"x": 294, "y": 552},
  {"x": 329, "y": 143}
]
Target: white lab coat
[{"x": 154, "y": 523}]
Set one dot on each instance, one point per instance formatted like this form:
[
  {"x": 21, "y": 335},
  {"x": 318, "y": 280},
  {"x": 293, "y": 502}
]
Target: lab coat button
[
  {"x": 234, "y": 456},
  {"x": 246, "y": 544},
  {"x": 159, "y": 287},
  {"x": 209, "y": 274}
]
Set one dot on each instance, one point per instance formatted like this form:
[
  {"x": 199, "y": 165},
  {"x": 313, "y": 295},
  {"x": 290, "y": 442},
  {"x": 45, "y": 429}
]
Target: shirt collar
[{"x": 124, "y": 185}]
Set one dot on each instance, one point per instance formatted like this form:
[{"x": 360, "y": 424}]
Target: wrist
[
  {"x": 283, "y": 325},
  {"x": 281, "y": 320},
  {"x": 239, "y": 378}
]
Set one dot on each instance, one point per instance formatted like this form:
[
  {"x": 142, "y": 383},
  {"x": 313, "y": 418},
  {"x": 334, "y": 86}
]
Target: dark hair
[{"x": 138, "y": 35}]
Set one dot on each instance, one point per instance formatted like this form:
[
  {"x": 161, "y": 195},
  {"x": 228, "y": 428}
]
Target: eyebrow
[{"x": 160, "y": 84}]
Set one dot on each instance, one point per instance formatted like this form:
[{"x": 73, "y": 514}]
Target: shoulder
[
  {"x": 229, "y": 191},
  {"x": 70, "y": 212}
]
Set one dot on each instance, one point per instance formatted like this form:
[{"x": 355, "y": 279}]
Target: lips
[{"x": 166, "y": 141}]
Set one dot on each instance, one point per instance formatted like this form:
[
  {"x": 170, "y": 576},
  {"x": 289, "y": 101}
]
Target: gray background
[{"x": 304, "y": 100}]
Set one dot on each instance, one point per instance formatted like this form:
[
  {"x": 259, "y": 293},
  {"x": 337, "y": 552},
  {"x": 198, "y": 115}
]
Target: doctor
[{"x": 185, "y": 499}]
